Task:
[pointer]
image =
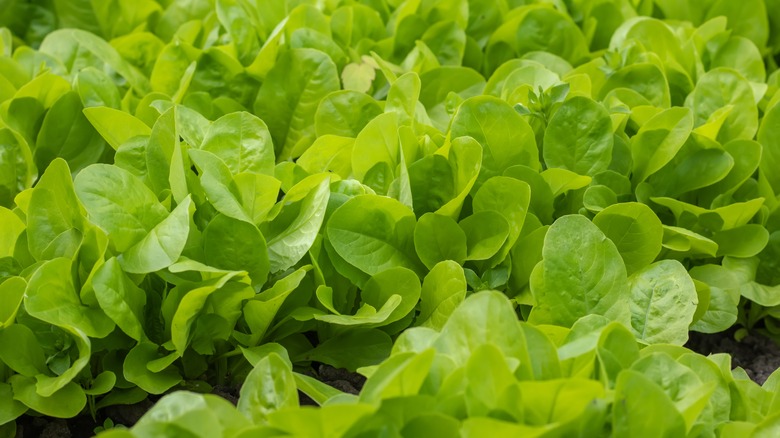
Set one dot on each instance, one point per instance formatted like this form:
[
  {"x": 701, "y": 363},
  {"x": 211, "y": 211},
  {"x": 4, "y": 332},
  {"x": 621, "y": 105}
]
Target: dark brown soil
[
  {"x": 341, "y": 379},
  {"x": 47, "y": 427},
  {"x": 29, "y": 426},
  {"x": 758, "y": 355},
  {"x": 128, "y": 415},
  {"x": 227, "y": 392}
]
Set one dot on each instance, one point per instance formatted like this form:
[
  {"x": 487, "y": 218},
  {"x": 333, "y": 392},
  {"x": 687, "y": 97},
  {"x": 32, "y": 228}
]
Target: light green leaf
[
  {"x": 66, "y": 133},
  {"x": 396, "y": 281},
  {"x": 581, "y": 273},
  {"x": 16, "y": 165},
  {"x": 401, "y": 375},
  {"x": 261, "y": 311},
  {"x": 443, "y": 289},
  {"x": 185, "y": 413},
  {"x": 658, "y": 141},
  {"x": 270, "y": 386},
  {"x": 579, "y": 137},
  {"x": 12, "y": 229},
  {"x": 663, "y": 301},
  {"x": 162, "y": 245},
  {"x": 438, "y": 238},
  {"x": 65, "y": 403},
  {"x": 237, "y": 246},
  {"x": 374, "y": 233},
  {"x": 10, "y": 409},
  {"x": 51, "y": 297},
  {"x": 287, "y": 102},
  {"x": 120, "y": 298},
  {"x": 377, "y": 142},
  {"x": 119, "y": 203},
  {"x": 55, "y": 216},
  {"x": 243, "y": 142},
  {"x": 486, "y": 232},
  {"x": 510, "y": 198},
  {"x": 21, "y": 351},
  {"x": 290, "y": 237},
  {"x": 352, "y": 349},
  {"x": 506, "y": 138},
  {"x": 115, "y": 126},
  {"x": 635, "y": 230},
  {"x": 635, "y": 396},
  {"x": 136, "y": 370},
  {"x": 12, "y": 292}
]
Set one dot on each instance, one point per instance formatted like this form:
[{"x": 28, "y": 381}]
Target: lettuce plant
[
  {"x": 486, "y": 371},
  {"x": 190, "y": 188}
]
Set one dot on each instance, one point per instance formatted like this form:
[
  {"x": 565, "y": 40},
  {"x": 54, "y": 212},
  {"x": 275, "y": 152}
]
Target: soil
[
  {"x": 47, "y": 427},
  {"x": 758, "y": 355},
  {"x": 229, "y": 393},
  {"x": 341, "y": 379}
]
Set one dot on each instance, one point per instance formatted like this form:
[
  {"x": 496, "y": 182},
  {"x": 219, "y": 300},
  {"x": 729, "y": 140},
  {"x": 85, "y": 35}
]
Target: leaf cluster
[{"x": 198, "y": 193}]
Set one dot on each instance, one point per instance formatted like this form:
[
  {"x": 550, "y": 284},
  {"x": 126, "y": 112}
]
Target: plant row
[
  {"x": 487, "y": 374},
  {"x": 188, "y": 186}
]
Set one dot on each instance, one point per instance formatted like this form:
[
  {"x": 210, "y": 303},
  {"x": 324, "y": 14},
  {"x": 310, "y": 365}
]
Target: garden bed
[
  {"x": 758, "y": 355},
  {"x": 217, "y": 207}
]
